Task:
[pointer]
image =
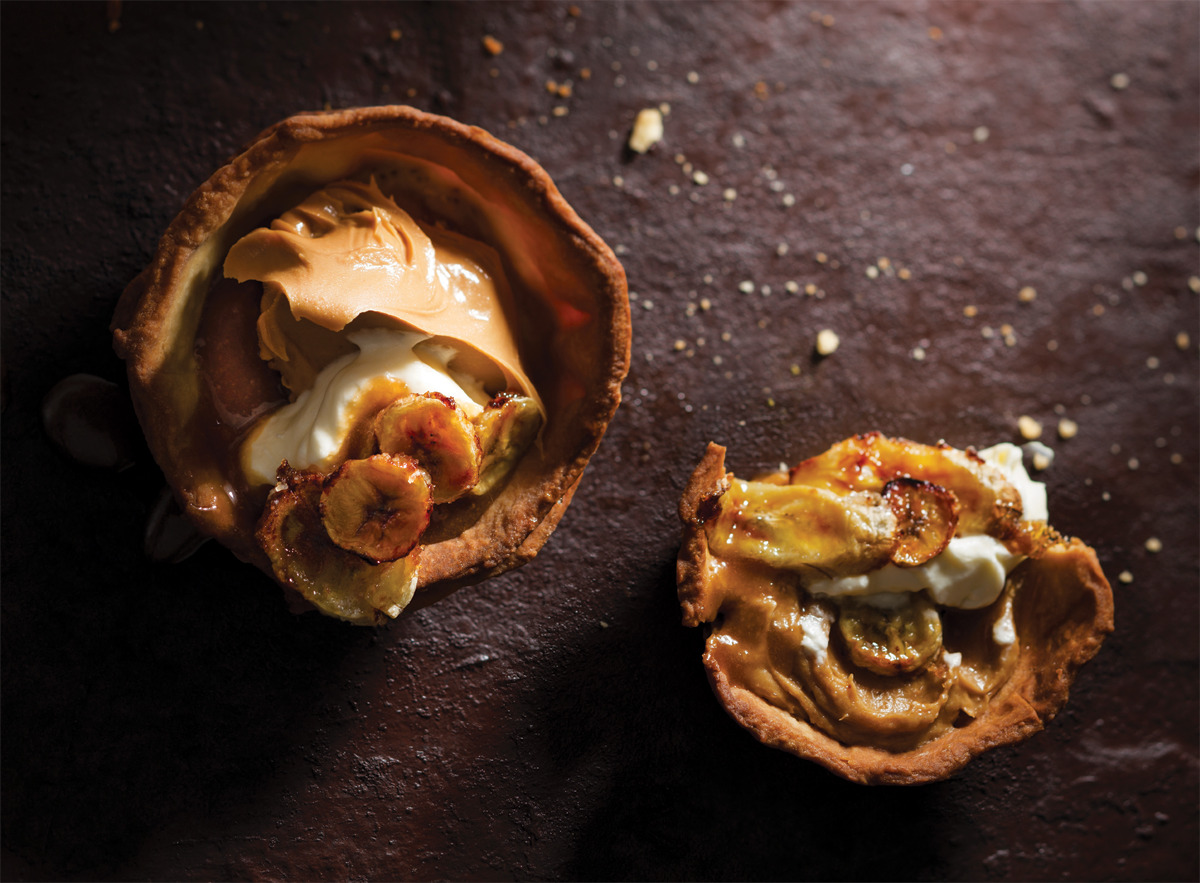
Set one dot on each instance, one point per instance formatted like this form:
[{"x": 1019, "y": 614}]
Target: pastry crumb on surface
[
  {"x": 1154, "y": 544},
  {"x": 491, "y": 45},
  {"x": 1125, "y": 577},
  {"x": 1067, "y": 428},
  {"x": 1029, "y": 428},
  {"x": 827, "y": 342},
  {"x": 1119, "y": 81},
  {"x": 1027, "y": 294}
]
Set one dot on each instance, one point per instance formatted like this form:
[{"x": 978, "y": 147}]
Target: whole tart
[
  {"x": 887, "y": 609},
  {"x": 337, "y": 243}
]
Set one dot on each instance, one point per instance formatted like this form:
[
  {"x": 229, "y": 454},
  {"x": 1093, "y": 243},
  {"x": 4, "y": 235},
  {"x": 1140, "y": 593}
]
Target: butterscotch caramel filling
[{"x": 815, "y": 610}]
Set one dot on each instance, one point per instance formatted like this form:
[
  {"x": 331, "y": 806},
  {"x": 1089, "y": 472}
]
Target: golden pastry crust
[
  {"x": 573, "y": 327},
  {"x": 1062, "y": 609}
]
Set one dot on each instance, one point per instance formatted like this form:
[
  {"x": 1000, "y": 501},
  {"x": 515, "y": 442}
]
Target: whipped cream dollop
[
  {"x": 310, "y": 432},
  {"x": 969, "y": 573}
]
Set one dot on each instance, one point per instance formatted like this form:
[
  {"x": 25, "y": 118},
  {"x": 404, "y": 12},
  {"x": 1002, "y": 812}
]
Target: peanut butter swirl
[{"x": 348, "y": 251}]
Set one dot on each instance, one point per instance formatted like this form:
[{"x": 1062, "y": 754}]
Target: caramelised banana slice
[
  {"x": 432, "y": 429},
  {"x": 890, "y": 640},
  {"x": 378, "y": 507},
  {"x": 303, "y": 557},
  {"x": 926, "y": 516},
  {"x": 507, "y": 427},
  {"x": 803, "y": 528}
]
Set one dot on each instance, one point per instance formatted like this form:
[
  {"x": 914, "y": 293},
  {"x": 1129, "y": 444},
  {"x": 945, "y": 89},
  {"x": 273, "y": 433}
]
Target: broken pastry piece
[
  {"x": 373, "y": 355},
  {"x": 888, "y": 609}
]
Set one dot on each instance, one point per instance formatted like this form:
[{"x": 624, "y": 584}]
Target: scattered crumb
[
  {"x": 1067, "y": 428},
  {"x": 693, "y": 77},
  {"x": 788, "y": 200},
  {"x": 1125, "y": 577},
  {"x": 1119, "y": 81},
  {"x": 1176, "y": 459},
  {"x": 746, "y": 287},
  {"x": 1194, "y": 284},
  {"x": 1027, "y": 294},
  {"x": 680, "y": 345},
  {"x": 1152, "y": 362},
  {"x": 918, "y": 353},
  {"x": 1140, "y": 278},
  {"x": 761, "y": 91},
  {"x": 827, "y": 21},
  {"x": 904, "y": 273},
  {"x": 872, "y": 272},
  {"x": 827, "y": 342},
  {"x": 1154, "y": 544},
  {"x": 730, "y": 194},
  {"x": 395, "y": 34},
  {"x": 795, "y": 369},
  {"x": 822, "y": 258},
  {"x": 1182, "y": 340},
  {"x": 1029, "y": 428},
  {"x": 491, "y": 45},
  {"x": 970, "y": 311},
  {"x": 981, "y": 134},
  {"x": 705, "y": 304},
  {"x": 810, "y": 289},
  {"x": 585, "y": 73},
  {"x": 700, "y": 177},
  {"x": 1133, "y": 463},
  {"x": 560, "y": 111},
  {"x": 647, "y": 130},
  {"x": 792, "y": 286},
  {"x": 1098, "y": 310},
  {"x": 781, "y": 249}
]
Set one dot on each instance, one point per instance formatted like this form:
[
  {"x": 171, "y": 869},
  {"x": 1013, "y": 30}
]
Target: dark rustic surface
[{"x": 176, "y": 722}]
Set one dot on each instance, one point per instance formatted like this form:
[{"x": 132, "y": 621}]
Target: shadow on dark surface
[
  {"x": 134, "y": 692},
  {"x": 690, "y": 795}
]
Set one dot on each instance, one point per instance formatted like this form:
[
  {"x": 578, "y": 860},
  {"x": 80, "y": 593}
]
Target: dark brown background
[{"x": 176, "y": 722}]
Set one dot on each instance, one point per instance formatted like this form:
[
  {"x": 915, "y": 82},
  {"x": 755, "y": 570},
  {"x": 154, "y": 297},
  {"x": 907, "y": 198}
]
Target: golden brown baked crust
[
  {"x": 573, "y": 330},
  {"x": 1062, "y": 609}
]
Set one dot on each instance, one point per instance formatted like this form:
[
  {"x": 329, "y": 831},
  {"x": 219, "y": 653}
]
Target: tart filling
[
  {"x": 374, "y": 354},
  {"x": 882, "y": 608}
]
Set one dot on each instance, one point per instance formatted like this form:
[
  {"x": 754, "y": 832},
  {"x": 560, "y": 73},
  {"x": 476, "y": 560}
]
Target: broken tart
[
  {"x": 888, "y": 609},
  {"x": 373, "y": 355}
]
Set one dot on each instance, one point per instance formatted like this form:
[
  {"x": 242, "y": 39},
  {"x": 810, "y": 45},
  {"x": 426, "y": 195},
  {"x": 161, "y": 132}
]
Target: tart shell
[
  {"x": 1063, "y": 608},
  {"x": 571, "y": 316}
]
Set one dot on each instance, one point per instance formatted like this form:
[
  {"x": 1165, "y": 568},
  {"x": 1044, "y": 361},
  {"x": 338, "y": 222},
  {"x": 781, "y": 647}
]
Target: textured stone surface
[{"x": 176, "y": 722}]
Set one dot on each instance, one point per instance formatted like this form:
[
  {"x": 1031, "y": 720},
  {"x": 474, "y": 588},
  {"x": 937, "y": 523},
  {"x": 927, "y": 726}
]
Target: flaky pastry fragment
[{"x": 887, "y": 671}]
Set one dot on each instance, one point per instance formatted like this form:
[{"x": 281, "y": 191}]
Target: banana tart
[
  {"x": 373, "y": 355},
  {"x": 888, "y": 609}
]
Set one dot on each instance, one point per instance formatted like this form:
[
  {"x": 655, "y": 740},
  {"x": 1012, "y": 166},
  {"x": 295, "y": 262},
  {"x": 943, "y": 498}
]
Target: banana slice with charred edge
[
  {"x": 891, "y": 640},
  {"x": 303, "y": 557},
  {"x": 926, "y": 516},
  {"x": 507, "y": 427},
  {"x": 803, "y": 528},
  {"x": 378, "y": 507},
  {"x": 434, "y": 430}
]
